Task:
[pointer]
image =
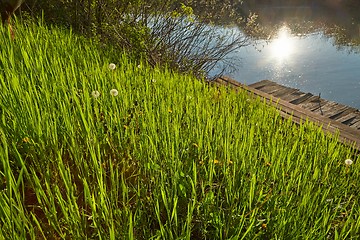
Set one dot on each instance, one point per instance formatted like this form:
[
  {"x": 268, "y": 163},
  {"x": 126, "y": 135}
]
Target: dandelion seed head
[
  {"x": 348, "y": 162},
  {"x": 112, "y": 66},
  {"x": 95, "y": 94},
  {"x": 114, "y": 92}
]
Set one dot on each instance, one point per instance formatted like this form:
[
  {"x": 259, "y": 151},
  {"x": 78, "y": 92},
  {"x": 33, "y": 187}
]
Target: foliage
[
  {"x": 338, "y": 20},
  {"x": 168, "y": 157},
  {"x": 166, "y": 33}
]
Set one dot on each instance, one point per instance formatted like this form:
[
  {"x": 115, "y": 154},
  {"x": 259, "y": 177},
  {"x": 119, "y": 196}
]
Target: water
[{"x": 312, "y": 62}]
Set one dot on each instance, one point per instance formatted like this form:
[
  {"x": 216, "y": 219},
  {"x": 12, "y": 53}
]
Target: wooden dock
[{"x": 333, "y": 117}]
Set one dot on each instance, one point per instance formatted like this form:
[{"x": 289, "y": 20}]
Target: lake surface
[{"x": 312, "y": 62}]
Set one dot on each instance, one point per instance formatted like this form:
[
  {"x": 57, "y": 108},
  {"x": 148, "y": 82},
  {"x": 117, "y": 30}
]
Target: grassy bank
[{"x": 138, "y": 153}]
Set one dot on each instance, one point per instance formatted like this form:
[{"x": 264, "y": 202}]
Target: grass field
[{"x": 92, "y": 152}]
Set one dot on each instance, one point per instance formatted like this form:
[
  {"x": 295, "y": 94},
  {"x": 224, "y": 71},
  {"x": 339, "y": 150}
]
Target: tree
[{"x": 162, "y": 32}]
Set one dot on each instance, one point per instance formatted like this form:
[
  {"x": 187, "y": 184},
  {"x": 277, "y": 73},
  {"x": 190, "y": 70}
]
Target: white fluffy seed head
[
  {"x": 114, "y": 92},
  {"x": 348, "y": 162},
  {"x": 112, "y": 66},
  {"x": 95, "y": 94}
]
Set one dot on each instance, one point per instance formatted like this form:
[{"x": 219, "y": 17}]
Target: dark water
[{"x": 304, "y": 56}]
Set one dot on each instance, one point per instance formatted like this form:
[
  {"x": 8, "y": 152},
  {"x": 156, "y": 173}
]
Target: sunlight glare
[{"x": 282, "y": 47}]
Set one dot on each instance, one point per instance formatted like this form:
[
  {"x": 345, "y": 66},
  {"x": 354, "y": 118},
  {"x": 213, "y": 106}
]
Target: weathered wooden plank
[
  {"x": 293, "y": 96},
  {"x": 347, "y": 134},
  {"x": 298, "y": 113},
  {"x": 356, "y": 125},
  {"x": 347, "y": 119},
  {"x": 328, "y": 109},
  {"x": 275, "y": 88},
  {"x": 228, "y": 82},
  {"x": 270, "y": 88},
  {"x": 261, "y": 84},
  {"x": 356, "y": 121},
  {"x": 284, "y": 92},
  {"x": 313, "y": 103},
  {"x": 343, "y": 113},
  {"x": 301, "y": 99},
  {"x": 333, "y": 108},
  {"x": 312, "y": 99},
  {"x": 278, "y": 90}
]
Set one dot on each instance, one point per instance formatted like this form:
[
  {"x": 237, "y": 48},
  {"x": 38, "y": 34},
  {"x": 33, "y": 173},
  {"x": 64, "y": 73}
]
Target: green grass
[{"x": 169, "y": 157}]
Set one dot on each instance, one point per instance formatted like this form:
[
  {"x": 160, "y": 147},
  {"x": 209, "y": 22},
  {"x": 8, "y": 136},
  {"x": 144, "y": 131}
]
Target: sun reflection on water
[{"x": 283, "y": 46}]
